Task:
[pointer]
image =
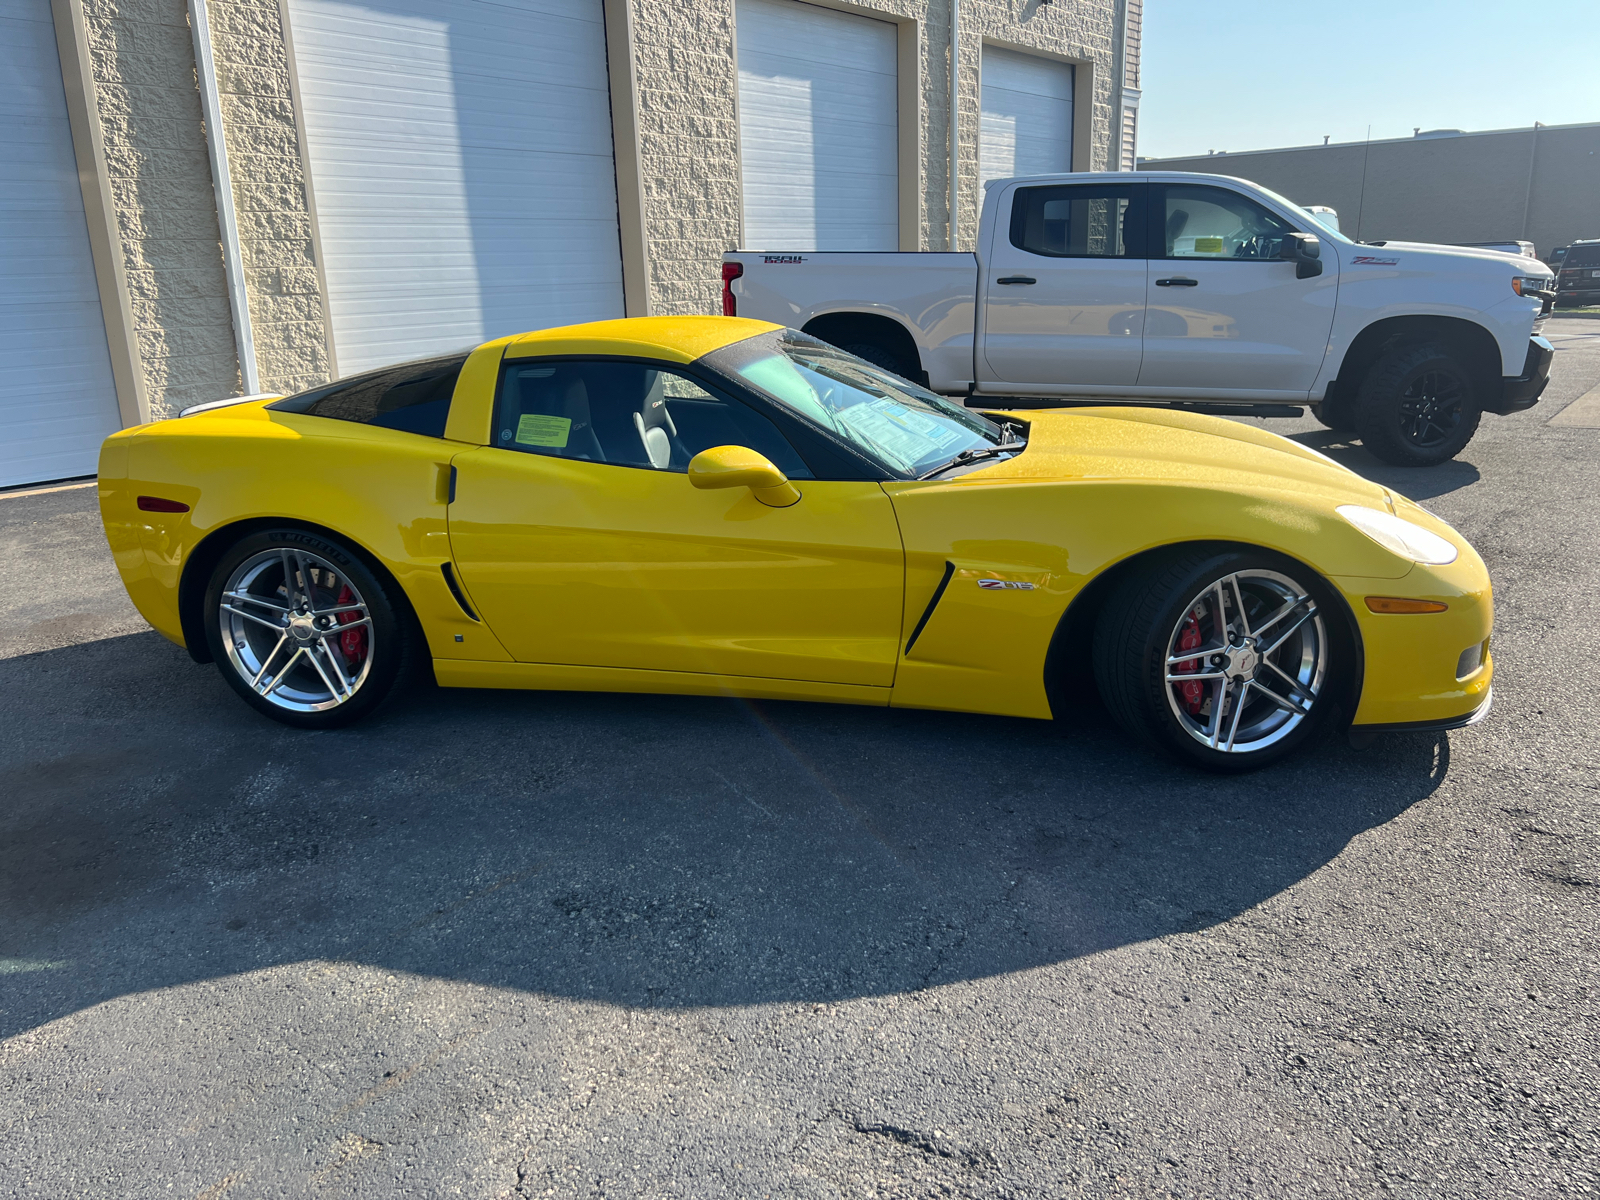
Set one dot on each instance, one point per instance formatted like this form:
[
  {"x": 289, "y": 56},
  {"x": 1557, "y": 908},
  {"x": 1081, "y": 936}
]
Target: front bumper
[
  {"x": 1461, "y": 722},
  {"x": 1519, "y": 392}
]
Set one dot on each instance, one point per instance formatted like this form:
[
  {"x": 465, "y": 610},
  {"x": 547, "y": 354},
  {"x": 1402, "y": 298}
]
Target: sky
[{"x": 1251, "y": 74}]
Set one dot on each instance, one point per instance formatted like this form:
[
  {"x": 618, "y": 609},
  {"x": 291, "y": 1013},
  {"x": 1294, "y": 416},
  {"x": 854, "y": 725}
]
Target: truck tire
[{"x": 1419, "y": 405}]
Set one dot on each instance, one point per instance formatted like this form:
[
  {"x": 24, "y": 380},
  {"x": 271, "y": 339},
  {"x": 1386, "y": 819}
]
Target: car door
[
  {"x": 580, "y": 540},
  {"x": 1064, "y": 288},
  {"x": 1226, "y": 314}
]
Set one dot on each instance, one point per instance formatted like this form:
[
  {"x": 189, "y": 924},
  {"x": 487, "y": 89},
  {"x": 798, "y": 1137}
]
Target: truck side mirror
[{"x": 1305, "y": 251}]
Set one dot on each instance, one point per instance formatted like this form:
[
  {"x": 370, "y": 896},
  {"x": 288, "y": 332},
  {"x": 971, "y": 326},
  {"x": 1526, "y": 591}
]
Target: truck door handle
[
  {"x": 1177, "y": 283},
  {"x": 1016, "y": 279}
]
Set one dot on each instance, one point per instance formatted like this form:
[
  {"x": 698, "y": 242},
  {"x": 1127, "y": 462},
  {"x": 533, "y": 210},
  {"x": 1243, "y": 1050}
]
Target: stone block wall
[
  {"x": 269, "y": 194},
  {"x": 688, "y": 149},
  {"x": 142, "y": 63}
]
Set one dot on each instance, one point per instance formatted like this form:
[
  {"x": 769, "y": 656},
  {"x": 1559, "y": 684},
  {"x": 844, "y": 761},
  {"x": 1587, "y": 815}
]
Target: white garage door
[
  {"x": 1027, "y": 115},
  {"x": 818, "y": 140},
  {"x": 57, "y": 400},
  {"x": 461, "y": 162}
]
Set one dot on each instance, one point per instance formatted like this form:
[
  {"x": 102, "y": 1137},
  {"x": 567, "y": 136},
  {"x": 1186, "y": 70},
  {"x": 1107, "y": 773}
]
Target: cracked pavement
[{"x": 513, "y": 945}]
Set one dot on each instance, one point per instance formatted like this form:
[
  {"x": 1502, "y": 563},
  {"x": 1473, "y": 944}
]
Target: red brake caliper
[
  {"x": 354, "y": 641},
  {"x": 1194, "y": 694}
]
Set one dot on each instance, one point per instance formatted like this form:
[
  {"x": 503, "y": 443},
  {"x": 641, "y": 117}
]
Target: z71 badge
[
  {"x": 1368, "y": 260},
  {"x": 1012, "y": 584}
]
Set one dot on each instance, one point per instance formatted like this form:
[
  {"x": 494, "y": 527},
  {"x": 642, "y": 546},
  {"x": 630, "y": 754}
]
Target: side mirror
[
  {"x": 737, "y": 466},
  {"x": 1305, "y": 251}
]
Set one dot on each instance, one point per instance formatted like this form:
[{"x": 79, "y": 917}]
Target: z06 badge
[{"x": 996, "y": 584}]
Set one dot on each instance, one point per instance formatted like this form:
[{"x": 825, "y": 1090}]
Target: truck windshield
[
  {"x": 907, "y": 428},
  {"x": 1311, "y": 218}
]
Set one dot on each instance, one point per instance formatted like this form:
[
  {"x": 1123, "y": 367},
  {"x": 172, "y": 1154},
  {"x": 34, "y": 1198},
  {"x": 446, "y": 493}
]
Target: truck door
[
  {"x": 1225, "y": 313},
  {"x": 1064, "y": 289}
]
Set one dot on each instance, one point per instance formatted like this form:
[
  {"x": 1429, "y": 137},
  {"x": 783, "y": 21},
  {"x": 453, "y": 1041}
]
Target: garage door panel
[
  {"x": 1026, "y": 124},
  {"x": 477, "y": 200},
  {"x": 58, "y": 401},
  {"x": 818, "y": 128}
]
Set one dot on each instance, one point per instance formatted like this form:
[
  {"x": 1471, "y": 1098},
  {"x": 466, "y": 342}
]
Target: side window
[
  {"x": 1209, "y": 222},
  {"x": 1082, "y": 221},
  {"x": 414, "y": 397},
  {"x": 629, "y": 414}
]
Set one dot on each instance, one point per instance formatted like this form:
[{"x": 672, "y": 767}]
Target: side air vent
[{"x": 455, "y": 589}]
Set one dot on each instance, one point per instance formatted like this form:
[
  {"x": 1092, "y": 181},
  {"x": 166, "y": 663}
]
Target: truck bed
[{"x": 936, "y": 300}]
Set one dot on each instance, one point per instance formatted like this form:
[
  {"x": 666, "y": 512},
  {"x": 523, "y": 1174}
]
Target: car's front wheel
[
  {"x": 304, "y": 630},
  {"x": 1226, "y": 659},
  {"x": 1418, "y": 406}
]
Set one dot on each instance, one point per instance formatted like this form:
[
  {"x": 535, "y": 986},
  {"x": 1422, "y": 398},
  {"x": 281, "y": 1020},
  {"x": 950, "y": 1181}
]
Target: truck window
[
  {"x": 1211, "y": 222},
  {"x": 1080, "y": 221}
]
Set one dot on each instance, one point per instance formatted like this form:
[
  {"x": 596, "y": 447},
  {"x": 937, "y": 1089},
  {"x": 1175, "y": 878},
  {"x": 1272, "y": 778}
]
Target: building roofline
[{"x": 1375, "y": 142}]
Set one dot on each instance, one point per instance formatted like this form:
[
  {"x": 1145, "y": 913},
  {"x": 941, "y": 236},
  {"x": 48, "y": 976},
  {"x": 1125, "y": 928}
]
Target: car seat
[{"x": 654, "y": 424}]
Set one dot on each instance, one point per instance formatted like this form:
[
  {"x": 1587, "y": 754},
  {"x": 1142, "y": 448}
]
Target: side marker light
[
  {"x": 161, "y": 504},
  {"x": 1395, "y": 604}
]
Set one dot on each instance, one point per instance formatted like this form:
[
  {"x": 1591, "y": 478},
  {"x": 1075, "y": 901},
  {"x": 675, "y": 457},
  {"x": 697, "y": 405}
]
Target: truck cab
[{"x": 1181, "y": 288}]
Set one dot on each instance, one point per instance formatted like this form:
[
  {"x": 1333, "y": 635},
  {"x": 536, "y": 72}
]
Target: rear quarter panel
[
  {"x": 384, "y": 490},
  {"x": 932, "y": 294}
]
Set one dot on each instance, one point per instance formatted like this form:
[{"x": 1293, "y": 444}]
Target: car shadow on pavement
[
  {"x": 1414, "y": 483},
  {"x": 633, "y": 850}
]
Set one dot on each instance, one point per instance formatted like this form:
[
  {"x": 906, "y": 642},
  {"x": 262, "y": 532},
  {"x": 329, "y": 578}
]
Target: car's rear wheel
[
  {"x": 1228, "y": 660},
  {"x": 304, "y": 630},
  {"x": 1418, "y": 406}
]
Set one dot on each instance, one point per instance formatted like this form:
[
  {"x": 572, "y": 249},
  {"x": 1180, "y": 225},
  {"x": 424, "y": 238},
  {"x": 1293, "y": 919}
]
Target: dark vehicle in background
[{"x": 1578, "y": 275}]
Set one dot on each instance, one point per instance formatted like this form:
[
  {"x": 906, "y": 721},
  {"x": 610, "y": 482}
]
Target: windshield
[
  {"x": 1325, "y": 217},
  {"x": 906, "y": 427},
  {"x": 1310, "y": 217}
]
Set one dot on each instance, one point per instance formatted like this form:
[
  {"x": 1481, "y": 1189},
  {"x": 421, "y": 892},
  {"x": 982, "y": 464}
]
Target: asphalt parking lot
[{"x": 502, "y": 944}]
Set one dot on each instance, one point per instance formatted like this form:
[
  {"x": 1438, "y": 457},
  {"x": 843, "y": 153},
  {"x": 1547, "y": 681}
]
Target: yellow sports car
[{"x": 716, "y": 506}]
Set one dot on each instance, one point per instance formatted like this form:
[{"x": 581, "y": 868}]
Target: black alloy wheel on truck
[{"x": 1418, "y": 406}]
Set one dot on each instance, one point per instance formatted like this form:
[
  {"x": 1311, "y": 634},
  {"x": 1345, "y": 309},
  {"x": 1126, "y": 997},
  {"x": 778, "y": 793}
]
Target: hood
[
  {"x": 1521, "y": 264},
  {"x": 1171, "y": 446}
]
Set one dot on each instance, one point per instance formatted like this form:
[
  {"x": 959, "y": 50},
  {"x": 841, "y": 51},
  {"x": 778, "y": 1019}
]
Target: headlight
[
  {"x": 1529, "y": 285},
  {"x": 1400, "y": 536}
]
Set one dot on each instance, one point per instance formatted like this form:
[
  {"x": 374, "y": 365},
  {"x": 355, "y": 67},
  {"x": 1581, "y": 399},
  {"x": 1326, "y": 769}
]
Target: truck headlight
[
  {"x": 1400, "y": 536},
  {"x": 1530, "y": 285}
]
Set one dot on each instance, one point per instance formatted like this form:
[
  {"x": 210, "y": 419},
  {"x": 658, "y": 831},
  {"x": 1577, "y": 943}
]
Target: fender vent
[
  {"x": 455, "y": 589},
  {"x": 933, "y": 603}
]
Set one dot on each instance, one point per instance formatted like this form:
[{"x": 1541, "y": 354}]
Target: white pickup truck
[{"x": 1179, "y": 288}]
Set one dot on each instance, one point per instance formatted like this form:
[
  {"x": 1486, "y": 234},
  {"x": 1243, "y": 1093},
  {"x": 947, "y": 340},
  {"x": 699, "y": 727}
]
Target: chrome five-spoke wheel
[
  {"x": 297, "y": 629},
  {"x": 1246, "y": 661}
]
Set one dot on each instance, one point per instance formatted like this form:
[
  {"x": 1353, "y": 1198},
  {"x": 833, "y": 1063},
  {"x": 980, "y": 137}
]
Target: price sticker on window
[
  {"x": 537, "y": 430},
  {"x": 1208, "y": 245}
]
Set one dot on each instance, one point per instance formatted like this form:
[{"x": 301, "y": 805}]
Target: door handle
[
  {"x": 1176, "y": 283},
  {"x": 1016, "y": 279}
]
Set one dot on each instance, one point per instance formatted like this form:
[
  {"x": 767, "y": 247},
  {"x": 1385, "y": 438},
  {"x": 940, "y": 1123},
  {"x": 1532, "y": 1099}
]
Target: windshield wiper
[{"x": 973, "y": 455}]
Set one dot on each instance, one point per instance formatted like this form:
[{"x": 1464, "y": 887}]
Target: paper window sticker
[
  {"x": 535, "y": 429},
  {"x": 1208, "y": 245}
]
